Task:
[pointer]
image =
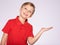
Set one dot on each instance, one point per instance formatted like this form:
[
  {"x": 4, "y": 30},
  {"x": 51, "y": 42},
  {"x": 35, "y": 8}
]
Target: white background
[{"x": 47, "y": 14}]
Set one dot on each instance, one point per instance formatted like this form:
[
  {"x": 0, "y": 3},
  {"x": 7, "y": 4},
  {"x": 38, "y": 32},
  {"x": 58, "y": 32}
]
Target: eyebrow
[{"x": 29, "y": 10}]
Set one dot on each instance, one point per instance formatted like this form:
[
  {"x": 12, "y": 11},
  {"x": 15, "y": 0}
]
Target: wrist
[{"x": 41, "y": 31}]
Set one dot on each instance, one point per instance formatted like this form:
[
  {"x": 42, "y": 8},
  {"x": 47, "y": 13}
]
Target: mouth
[{"x": 25, "y": 14}]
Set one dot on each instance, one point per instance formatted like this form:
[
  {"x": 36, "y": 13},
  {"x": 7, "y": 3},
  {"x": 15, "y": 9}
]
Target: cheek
[
  {"x": 21, "y": 12},
  {"x": 30, "y": 14}
]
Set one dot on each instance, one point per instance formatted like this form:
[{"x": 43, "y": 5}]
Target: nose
[{"x": 26, "y": 11}]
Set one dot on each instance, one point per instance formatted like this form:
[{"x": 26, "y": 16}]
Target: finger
[{"x": 50, "y": 28}]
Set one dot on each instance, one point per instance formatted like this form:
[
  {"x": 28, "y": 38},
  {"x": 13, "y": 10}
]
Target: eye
[
  {"x": 29, "y": 11},
  {"x": 25, "y": 8}
]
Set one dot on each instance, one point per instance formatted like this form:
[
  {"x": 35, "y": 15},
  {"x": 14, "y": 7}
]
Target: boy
[{"x": 18, "y": 31}]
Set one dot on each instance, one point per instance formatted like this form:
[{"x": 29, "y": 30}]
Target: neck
[{"x": 22, "y": 20}]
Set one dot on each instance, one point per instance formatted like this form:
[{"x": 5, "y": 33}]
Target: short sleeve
[
  {"x": 30, "y": 32},
  {"x": 6, "y": 28}
]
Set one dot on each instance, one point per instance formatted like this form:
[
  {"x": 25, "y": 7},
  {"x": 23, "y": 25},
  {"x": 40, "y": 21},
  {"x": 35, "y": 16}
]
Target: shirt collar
[{"x": 18, "y": 21}]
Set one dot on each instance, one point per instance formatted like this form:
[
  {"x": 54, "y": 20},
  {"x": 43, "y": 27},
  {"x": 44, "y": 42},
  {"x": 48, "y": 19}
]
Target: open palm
[{"x": 46, "y": 29}]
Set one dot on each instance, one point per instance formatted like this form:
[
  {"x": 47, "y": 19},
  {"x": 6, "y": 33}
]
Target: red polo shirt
[{"x": 17, "y": 32}]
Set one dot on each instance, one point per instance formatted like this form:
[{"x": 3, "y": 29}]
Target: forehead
[{"x": 28, "y": 6}]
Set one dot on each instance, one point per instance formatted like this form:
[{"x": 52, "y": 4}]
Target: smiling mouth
[{"x": 25, "y": 14}]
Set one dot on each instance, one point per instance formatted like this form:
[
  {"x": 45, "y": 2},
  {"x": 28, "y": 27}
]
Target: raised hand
[{"x": 46, "y": 29}]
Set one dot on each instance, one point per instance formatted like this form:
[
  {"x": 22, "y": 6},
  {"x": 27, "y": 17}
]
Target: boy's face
[{"x": 26, "y": 11}]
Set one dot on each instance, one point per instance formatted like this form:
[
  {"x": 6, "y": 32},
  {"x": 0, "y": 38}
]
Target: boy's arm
[
  {"x": 4, "y": 39},
  {"x": 32, "y": 40}
]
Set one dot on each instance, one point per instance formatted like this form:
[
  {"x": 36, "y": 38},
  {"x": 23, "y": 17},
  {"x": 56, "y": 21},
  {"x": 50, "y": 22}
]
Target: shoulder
[{"x": 11, "y": 21}]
